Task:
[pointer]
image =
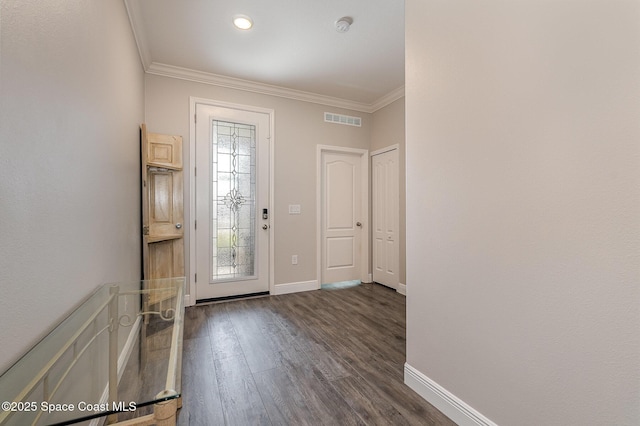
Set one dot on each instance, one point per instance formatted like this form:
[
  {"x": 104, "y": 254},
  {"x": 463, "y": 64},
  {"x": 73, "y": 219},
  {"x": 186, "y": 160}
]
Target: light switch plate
[{"x": 294, "y": 208}]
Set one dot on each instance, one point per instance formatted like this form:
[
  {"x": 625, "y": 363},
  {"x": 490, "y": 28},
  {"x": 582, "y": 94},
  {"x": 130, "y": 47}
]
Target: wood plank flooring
[{"x": 325, "y": 357}]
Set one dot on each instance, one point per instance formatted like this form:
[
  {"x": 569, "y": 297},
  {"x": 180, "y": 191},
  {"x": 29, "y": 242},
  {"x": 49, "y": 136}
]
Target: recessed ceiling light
[{"x": 242, "y": 22}]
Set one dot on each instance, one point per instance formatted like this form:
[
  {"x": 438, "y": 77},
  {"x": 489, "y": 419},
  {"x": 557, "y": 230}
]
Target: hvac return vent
[{"x": 330, "y": 117}]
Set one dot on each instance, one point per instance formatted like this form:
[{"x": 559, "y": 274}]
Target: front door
[{"x": 232, "y": 201}]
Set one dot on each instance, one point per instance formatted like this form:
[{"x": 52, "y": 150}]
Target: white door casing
[
  {"x": 342, "y": 214},
  {"x": 208, "y": 237},
  {"x": 385, "y": 216}
]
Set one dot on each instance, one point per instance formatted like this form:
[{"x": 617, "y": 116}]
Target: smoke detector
[{"x": 343, "y": 24}]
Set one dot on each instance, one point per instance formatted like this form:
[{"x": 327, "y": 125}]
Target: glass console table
[{"x": 116, "y": 359}]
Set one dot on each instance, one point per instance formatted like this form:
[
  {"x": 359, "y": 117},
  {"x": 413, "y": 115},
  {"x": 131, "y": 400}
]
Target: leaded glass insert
[{"x": 234, "y": 200}]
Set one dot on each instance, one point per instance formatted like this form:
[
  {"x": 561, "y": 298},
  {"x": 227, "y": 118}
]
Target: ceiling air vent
[{"x": 330, "y": 117}]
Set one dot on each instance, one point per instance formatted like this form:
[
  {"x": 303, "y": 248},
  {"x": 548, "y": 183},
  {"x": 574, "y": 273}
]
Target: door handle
[
  {"x": 358, "y": 224},
  {"x": 265, "y": 226},
  {"x": 178, "y": 225}
]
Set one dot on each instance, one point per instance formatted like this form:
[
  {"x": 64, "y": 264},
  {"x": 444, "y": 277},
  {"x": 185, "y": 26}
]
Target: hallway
[{"x": 331, "y": 357}]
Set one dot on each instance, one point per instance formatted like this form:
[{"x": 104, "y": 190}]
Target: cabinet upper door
[{"x": 164, "y": 151}]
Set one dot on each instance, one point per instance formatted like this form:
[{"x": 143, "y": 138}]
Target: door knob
[
  {"x": 178, "y": 225},
  {"x": 358, "y": 224},
  {"x": 265, "y": 226}
]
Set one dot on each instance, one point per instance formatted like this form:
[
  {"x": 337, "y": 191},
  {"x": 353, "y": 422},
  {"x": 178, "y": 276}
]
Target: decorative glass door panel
[{"x": 234, "y": 200}]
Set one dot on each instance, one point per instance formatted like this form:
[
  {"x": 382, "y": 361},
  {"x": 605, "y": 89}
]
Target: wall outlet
[{"x": 294, "y": 259}]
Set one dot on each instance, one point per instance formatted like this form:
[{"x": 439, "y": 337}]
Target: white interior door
[
  {"x": 232, "y": 201},
  {"x": 342, "y": 217},
  {"x": 385, "y": 210}
]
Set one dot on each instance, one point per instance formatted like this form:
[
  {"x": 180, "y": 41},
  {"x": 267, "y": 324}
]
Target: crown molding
[
  {"x": 268, "y": 89},
  {"x": 133, "y": 10},
  {"x": 389, "y": 98},
  {"x": 252, "y": 86}
]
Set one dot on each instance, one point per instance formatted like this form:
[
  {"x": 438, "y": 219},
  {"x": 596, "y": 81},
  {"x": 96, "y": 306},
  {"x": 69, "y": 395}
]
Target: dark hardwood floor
[{"x": 325, "y": 357}]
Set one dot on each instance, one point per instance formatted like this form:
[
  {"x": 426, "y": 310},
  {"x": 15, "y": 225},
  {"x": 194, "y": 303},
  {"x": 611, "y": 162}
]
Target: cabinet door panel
[{"x": 164, "y": 151}]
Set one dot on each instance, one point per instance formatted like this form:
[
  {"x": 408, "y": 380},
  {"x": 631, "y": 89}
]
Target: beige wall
[
  {"x": 387, "y": 128},
  {"x": 70, "y": 106},
  {"x": 523, "y": 200},
  {"x": 299, "y": 128}
]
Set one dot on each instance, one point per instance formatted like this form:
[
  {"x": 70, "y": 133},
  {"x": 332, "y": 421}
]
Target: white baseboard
[
  {"x": 402, "y": 289},
  {"x": 187, "y": 300},
  {"x": 123, "y": 359},
  {"x": 295, "y": 287},
  {"x": 452, "y": 406}
]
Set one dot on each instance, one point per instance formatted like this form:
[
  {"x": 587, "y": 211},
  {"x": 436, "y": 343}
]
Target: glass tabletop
[{"x": 116, "y": 355}]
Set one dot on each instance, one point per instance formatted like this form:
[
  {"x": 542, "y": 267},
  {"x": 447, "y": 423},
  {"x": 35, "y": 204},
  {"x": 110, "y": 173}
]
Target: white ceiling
[{"x": 293, "y": 49}]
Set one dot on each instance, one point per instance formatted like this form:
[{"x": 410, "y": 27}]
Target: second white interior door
[
  {"x": 232, "y": 201},
  {"x": 386, "y": 210}
]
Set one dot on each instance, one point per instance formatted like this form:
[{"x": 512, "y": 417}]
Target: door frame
[
  {"x": 193, "y": 102},
  {"x": 365, "y": 273}
]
